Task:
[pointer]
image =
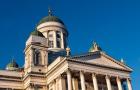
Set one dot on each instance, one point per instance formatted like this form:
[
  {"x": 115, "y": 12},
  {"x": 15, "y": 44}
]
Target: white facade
[{"x": 94, "y": 70}]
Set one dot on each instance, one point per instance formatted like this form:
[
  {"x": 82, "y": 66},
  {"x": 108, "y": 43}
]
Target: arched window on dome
[
  {"x": 37, "y": 58},
  {"x": 50, "y": 37}
]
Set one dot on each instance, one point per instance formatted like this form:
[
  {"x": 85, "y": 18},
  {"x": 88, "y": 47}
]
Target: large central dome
[{"x": 50, "y": 19}]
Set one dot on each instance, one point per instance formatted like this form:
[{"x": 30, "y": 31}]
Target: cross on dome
[{"x": 49, "y": 11}]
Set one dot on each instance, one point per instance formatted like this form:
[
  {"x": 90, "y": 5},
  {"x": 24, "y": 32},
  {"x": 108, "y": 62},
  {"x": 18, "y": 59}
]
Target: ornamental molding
[{"x": 98, "y": 70}]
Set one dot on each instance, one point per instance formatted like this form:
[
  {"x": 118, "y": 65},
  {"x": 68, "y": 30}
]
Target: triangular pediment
[
  {"x": 103, "y": 60},
  {"x": 106, "y": 62}
]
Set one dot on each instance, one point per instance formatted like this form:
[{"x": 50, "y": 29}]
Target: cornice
[
  {"x": 103, "y": 54},
  {"x": 98, "y": 65},
  {"x": 117, "y": 62}
]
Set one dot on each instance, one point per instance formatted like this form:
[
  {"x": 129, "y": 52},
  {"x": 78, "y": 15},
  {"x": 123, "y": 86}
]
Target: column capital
[
  {"x": 94, "y": 74},
  {"x": 118, "y": 78},
  {"x": 82, "y": 71},
  {"x": 68, "y": 70},
  {"x": 107, "y": 76},
  {"x": 128, "y": 79}
]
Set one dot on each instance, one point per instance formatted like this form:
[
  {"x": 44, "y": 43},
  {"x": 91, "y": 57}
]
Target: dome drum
[{"x": 50, "y": 23}]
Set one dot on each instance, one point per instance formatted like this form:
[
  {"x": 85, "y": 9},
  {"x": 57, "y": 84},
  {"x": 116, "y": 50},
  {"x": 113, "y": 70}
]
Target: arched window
[{"x": 37, "y": 57}]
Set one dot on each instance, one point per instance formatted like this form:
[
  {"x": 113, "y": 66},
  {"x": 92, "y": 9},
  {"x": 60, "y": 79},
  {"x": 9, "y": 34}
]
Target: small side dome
[
  {"x": 37, "y": 33},
  {"x": 95, "y": 47},
  {"x": 12, "y": 65},
  {"x": 50, "y": 19}
]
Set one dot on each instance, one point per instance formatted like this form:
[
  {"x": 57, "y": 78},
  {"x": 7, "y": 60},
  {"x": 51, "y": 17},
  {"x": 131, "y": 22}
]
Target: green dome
[
  {"x": 49, "y": 19},
  {"x": 12, "y": 65},
  {"x": 37, "y": 33}
]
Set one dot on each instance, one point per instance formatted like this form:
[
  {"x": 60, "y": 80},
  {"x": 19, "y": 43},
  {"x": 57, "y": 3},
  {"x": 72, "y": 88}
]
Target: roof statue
[
  {"x": 122, "y": 60},
  {"x": 67, "y": 51},
  {"x": 95, "y": 47}
]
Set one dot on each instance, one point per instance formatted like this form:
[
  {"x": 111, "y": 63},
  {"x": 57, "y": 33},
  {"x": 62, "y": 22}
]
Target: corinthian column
[
  {"x": 82, "y": 80},
  {"x": 95, "y": 84},
  {"x": 129, "y": 84},
  {"x": 69, "y": 81},
  {"x": 119, "y": 83},
  {"x": 108, "y": 82}
]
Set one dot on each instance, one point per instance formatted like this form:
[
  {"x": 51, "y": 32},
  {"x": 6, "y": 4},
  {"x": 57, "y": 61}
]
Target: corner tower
[{"x": 55, "y": 31}]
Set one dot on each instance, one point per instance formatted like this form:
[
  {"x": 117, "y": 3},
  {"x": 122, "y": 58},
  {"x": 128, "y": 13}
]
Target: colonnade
[
  {"x": 95, "y": 81},
  {"x": 55, "y": 39}
]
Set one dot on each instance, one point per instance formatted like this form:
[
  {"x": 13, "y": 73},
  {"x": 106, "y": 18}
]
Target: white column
[
  {"x": 119, "y": 83},
  {"x": 54, "y": 39},
  {"x": 75, "y": 83},
  {"x": 95, "y": 84},
  {"x": 69, "y": 81},
  {"x": 62, "y": 84},
  {"x": 108, "y": 82},
  {"x": 82, "y": 80},
  {"x": 62, "y": 40},
  {"x": 129, "y": 84}
]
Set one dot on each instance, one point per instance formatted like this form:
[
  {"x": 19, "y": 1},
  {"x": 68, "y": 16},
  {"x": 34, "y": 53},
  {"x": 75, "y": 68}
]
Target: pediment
[{"x": 104, "y": 60}]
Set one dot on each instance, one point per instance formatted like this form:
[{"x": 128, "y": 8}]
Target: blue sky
[{"x": 113, "y": 24}]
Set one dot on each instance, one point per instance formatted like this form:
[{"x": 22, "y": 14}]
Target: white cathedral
[{"x": 49, "y": 64}]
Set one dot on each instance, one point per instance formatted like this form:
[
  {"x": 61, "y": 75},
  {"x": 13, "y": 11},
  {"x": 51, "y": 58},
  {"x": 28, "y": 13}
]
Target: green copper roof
[
  {"x": 37, "y": 33},
  {"x": 49, "y": 19},
  {"x": 12, "y": 65}
]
